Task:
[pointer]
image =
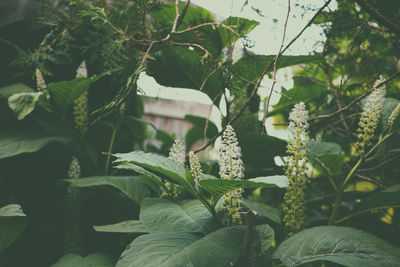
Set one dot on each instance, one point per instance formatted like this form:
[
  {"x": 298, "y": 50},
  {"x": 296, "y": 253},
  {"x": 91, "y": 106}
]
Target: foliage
[{"x": 118, "y": 210}]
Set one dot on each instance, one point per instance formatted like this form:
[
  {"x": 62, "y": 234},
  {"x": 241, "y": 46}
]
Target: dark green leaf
[
  {"x": 132, "y": 186},
  {"x": 342, "y": 245},
  {"x": 65, "y": 93},
  {"x": 241, "y": 26},
  {"x": 263, "y": 210},
  {"x": 156, "y": 163},
  {"x": 220, "y": 248},
  {"x": 249, "y": 68},
  {"x": 389, "y": 198},
  {"x": 6, "y": 92},
  {"x": 162, "y": 215},
  {"x": 122, "y": 227},
  {"x": 22, "y": 104},
  {"x": 218, "y": 187},
  {"x": 12, "y": 222},
  {"x": 196, "y": 133},
  {"x": 266, "y": 236},
  {"x": 15, "y": 143},
  {"x": 92, "y": 260},
  {"x": 328, "y": 155}
]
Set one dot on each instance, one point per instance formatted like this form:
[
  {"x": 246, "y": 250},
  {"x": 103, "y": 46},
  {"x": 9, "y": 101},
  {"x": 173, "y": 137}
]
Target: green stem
[
  {"x": 381, "y": 140},
  {"x": 110, "y": 147},
  {"x": 340, "y": 190}
]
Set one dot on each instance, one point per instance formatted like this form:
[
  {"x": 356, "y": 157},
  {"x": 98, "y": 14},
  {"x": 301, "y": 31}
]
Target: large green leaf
[
  {"x": 388, "y": 198},
  {"x": 183, "y": 67},
  {"x": 343, "y": 245},
  {"x": 220, "y": 248},
  {"x": 218, "y": 187},
  {"x": 12, "y": 223},
  {"x": 249, "y": 68},
  {"x": 156, "y": 163},
  {"x": 22, "y": 104},
  {"x": 259, "y": 150},
  {"x": 241, "y": 26},
  {"x": 122, "y": 227},
  {"x": 132, "y": 186},
  {"x": 263, "y": 210},
  {"x": 7, "y": 91},
  {"x": 266, "y": 237},
  {"x": 65, "y": 93},
  {"x": 328, "y": 155},
  {"x": 92, "y": 260},
  {"x": 148, "y": 177},
  {"x": 305, "y": 89},
  {"x": 18, "y": 142},
  {"x": 163, "y": 215},
  {"x": 196, "y": 133}
]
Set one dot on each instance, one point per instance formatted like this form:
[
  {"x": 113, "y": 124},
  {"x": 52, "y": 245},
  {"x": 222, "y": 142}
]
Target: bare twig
[
  {"x": 267, "y": 68},
  {"x": 354, "y": 100},
  {"x": 275, "y": 69}
]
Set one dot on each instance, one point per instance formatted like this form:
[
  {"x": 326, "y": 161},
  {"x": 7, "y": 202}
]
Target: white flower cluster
[
  {"x": 230, "y": 156},
  {"x": 81, "y": 103},
  {"x": 74, "y": 168},
  {"x": 231, "y": 167},
  {"x": 370, "y": 116},
  {"x": 394, "y": 115},
  {"x": 298, "y": 126},
  {"x": 40, "y": 83},
  {"x": 81, "y": 72},
  {"x": 293, "y": 207},
  {"x": 177, "y": 152},
  {"x": 195, "y": 167}
]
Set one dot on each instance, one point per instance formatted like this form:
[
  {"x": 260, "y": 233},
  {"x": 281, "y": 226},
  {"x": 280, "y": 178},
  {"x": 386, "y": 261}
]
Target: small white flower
[
  {"x": 298, "y": 126},
  {"x": 195, "y": 167},
  {"x": 230, "y": 158},
  {"x": 74, "y": 168},
  {"x": 370, "y": 116},
  {"x": 40, "y": 83},
  {"x": 81, "y": 72},
  {"x": 394, "y": 115},
  {"x": 177, "y": 152}
]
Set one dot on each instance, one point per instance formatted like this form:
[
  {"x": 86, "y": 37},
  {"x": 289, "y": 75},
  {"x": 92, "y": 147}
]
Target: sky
[{"x": 266, "y": 37}]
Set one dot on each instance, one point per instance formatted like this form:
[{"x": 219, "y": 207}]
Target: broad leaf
[
  {"x": 263, "y": 210},
  {"x": 249, "y": 68},
  {"x": 65, "y": 93},
  {"x": 92, "y": 260},
  {"x": 129, "y": 227},
  {"x": 12, "y": 222},
  {"x": 148, "y": 177},
  {"x": 220, "y": 248},
  {"x": 162, "y": 215},
  {"x": 389, "y": 198},
  {"x": 156, "y": 163},
  {"x": 196, "y": 133},
  {"x": 15, "y": 143},
  {"x": 342, "y": 245},
  {"x": 22, "y": 104},
  {"x": 132, "y": 186},
  {"x": 7, "y": 91},
  {"x": 218, "y": 187},
  {"x": 241, "y": 26},
  {"x": 328, "y": 155},
  {"x": 266, "y": 237},
  {"x": 304, "y": 89}
]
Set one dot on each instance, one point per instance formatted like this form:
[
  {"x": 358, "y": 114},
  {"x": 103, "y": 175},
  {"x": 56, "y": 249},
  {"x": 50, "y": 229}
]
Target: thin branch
[
  {"x": 264, "y": 128},
  {"x": 267, "y": 68},
  {"x": 354, "y": 100}
]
